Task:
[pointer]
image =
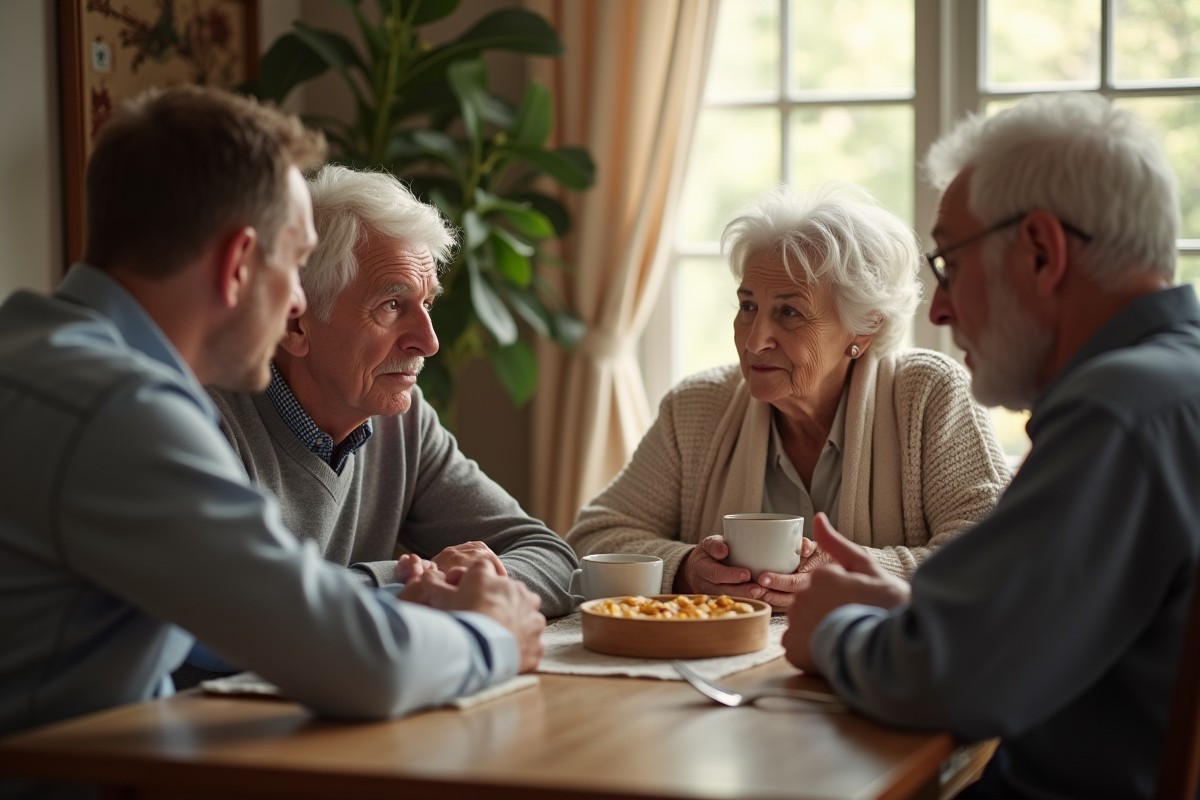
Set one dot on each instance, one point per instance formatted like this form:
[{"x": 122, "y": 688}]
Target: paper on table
[
  {"x": 565, "y": 654},
  {"x": 252, "y": 684}
]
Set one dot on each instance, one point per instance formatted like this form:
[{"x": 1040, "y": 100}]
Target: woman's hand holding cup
[
  {"x": 778, "y": 588},
  {"x": 704, "y": 572}
]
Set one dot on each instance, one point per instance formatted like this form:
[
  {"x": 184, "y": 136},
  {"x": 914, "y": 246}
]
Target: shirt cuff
[
  {"x": 829, "y": 638},
  {"x": 496, "y": 642}
]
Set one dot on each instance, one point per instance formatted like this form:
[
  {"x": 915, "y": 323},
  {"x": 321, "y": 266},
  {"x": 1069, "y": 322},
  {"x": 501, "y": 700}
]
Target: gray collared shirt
[
  {"x": 1057, "y": 622},
  {"x": 783, "y": 490}
]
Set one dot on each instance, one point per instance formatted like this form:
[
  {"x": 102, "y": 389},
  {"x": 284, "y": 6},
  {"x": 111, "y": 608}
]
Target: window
[{"x": 801, "y": 91}]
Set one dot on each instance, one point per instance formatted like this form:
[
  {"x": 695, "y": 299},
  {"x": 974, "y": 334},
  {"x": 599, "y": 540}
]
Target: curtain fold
[{"x": 628, "y": 89}]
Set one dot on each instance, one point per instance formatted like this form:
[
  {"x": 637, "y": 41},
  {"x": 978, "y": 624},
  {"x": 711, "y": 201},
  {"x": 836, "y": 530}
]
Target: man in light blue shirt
[
  {"x": 126, "y": 520},
  {"x": 1057, "y": 622}
]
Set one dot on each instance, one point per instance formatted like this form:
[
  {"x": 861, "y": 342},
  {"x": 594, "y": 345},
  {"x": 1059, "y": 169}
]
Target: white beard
[{"x": 1010, "y": 351}]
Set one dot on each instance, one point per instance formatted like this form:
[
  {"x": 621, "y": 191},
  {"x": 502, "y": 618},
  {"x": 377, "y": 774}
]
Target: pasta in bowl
[{"x": 675, "y": 626}]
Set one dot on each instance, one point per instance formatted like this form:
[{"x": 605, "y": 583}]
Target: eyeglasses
[{"x": 937, "y": 259}]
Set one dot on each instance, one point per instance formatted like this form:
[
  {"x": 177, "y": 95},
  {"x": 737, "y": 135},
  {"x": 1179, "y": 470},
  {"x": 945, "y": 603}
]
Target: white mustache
[{"x": 413, "y": 365}]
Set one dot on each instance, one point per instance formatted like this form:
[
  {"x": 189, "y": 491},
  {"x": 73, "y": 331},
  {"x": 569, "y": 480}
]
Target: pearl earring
[{"x": 854, "y": 351}]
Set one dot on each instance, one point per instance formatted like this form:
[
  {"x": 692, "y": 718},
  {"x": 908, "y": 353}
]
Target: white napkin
[
  {"x": 565, "y": 654},
  {"x": 252, "y": 684}
]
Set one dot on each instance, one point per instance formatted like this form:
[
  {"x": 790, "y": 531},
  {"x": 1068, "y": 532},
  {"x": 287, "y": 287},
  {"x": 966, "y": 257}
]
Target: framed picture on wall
[{"x": 110, "y": 50}]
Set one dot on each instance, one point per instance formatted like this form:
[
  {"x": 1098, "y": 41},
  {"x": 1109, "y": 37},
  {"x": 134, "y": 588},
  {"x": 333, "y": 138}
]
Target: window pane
[
  {"x": 745, "y": 55},
  {"x": 1033, "y": 44},
  {"x": 1156, "y": 40},
  {"x": 734, "y": 158},
  {"x": 851, "y": 45},
  {"x": 1188, "y": 270},
  {"x": 1010, "y": 432},
  {"x": 869, "y": 145},
  {"x": 705, "y": 302},
  {"x": 1177, "y": 119}
]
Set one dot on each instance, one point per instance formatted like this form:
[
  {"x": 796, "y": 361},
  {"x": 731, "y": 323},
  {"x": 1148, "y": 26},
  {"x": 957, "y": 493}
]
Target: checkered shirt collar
[{"x": 301, "y": 424}]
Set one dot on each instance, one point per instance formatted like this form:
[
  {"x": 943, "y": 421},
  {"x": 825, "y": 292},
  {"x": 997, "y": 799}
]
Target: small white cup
[
  {"x": 616, "y": 575},
  {"x": 764, "y": 542}
]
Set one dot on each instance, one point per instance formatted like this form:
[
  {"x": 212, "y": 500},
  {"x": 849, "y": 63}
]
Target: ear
[
  {"x": 858, "y": 346},
  {"x": 234, "y": 257},
  {"x": 1042, "y": 233},
  {"x": 295, "y": 340}
]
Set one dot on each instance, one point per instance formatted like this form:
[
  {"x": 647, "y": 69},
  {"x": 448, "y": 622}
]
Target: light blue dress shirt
[
  {"x": 126, "y": 519},
  {"x": 1057, "y": 622}
]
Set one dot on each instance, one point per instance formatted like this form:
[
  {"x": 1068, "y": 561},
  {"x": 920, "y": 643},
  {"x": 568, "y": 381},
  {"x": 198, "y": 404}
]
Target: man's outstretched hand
[{"x": 852, "y": 577}]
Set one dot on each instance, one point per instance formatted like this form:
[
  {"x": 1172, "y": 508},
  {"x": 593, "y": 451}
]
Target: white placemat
[
  {"x": 565, "y": 654},
  {"x": 250, "y": 684}
]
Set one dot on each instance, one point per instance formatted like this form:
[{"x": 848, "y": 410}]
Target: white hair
[
  {"x": 839, "y": 236},
  {"x": 348, "y": 207},
  {"x": 1096, "y": 167}
]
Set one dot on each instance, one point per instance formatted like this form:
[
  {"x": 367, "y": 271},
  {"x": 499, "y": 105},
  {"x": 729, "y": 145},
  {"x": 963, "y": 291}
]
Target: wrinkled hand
[
  {"x": 466, "y": 555},
  {"x": 479, "y": 588},
  {"x": 853, "y": 577},
  {"x": 778, "y": 588},
  {"x": 410, "y": 567},
  {"x": 703, "y": 573}
]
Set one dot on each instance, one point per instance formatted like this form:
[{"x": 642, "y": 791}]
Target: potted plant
[{"x": 425, "y": 113}]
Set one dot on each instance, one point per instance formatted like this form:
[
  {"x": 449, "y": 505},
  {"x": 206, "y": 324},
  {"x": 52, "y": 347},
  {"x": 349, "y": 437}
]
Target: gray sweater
[{"x": 408, "y": 486}]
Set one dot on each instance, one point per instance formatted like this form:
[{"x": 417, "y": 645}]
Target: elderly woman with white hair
[{"x": 825, "y": 412}]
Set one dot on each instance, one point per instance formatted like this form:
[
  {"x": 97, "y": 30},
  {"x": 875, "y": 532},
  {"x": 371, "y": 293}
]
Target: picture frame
[{"x": 111, "y": 50}]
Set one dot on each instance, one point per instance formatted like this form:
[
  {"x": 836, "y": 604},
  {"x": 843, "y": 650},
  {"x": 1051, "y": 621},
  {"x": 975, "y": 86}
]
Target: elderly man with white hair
[
  {"x": 1056, "y": 623},
  {"x": 825, "y": 411},
  {"x": 343, "y": 436}
]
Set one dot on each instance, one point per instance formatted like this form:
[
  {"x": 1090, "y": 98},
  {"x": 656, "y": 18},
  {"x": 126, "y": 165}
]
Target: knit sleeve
[
  {"x": 640, "y": 509},
  {"x": 956, "y": 468}
]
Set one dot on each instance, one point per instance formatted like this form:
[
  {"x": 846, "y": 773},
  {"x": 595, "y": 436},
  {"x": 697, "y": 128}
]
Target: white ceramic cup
[
  {"x": 616, "y": 575},
  {"x": 764, "y": 542}
]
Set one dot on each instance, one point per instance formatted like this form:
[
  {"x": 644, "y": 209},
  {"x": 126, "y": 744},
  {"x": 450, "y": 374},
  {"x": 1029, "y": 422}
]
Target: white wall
[{"x": 30, "y": 221}]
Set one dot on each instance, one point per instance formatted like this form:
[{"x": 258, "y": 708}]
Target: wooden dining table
[{"x": 567, "y": 737}]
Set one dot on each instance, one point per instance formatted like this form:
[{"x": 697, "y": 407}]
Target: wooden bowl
[{"x": 676, "y": 638}]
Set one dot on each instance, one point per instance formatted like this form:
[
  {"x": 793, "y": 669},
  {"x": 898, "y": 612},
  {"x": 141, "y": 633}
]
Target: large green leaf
[
  {"x": 513, "y": 29},
  {"x": 531, "y": 309},
  {"x": 475, "y": 230},
  {"x": 517, "y": 368},
  {"x": 468, "y": 80},
  {"x": 489, "y": 308},
  {"x": 432, "y": 98},
  {"x": 534, "y": 117},
  {"x": 550, "y": 208},
  {"x": 402, "y": 149},
  {"x": 436, "y": 144},
  {"x": 570, "y": 166},
  {"x": 523, "y": 219},
  {"x": 289, "y": 62},
  {"x": 428, "y": 10},
  {"x": 336, "y": 50},
  {"x": 510, "y": 261}
]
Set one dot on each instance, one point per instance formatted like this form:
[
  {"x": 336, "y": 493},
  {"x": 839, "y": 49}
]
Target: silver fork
[{"x": 728, "y": 697}]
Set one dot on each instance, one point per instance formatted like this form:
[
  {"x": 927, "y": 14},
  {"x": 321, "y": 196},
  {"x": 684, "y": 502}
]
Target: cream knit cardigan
[{"x": 920, "y": 464}]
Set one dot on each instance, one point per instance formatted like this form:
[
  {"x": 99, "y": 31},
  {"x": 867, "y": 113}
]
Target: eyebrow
[
  {"x": 788, "y": 296},
  {"x": 389, "y": 289}
]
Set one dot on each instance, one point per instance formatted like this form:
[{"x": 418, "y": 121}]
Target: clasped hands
[{"x": 470, "y": 577}]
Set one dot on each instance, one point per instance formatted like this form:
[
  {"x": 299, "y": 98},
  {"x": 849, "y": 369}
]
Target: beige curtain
[{"x": 628, "y": 89}]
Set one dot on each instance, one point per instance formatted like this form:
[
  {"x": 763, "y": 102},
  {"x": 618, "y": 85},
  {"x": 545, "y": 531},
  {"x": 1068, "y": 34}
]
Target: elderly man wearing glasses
[{"x": 1057, "y": 622}]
